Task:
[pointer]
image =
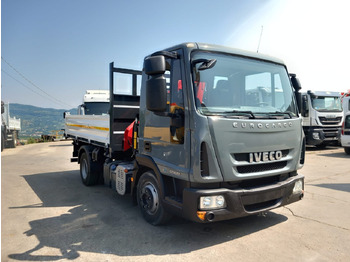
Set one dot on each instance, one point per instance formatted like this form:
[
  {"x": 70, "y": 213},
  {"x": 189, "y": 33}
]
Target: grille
[
  {"x": 330, "y": 132},
  {"x": 330, "y": 121},
  {"x": 262, "y": 205},
  {"x": 261, "y": 167},
  {"x": 245, "y": 156}
]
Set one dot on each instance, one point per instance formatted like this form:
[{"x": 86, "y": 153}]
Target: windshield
[
  {"x": 235, "y": 86},
  {"x": 326, "y": 103},
  {"x": 96, "y": 108}
]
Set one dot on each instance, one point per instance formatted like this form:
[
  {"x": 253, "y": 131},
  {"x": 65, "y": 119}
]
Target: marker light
[{"x": 298, "y": 187}]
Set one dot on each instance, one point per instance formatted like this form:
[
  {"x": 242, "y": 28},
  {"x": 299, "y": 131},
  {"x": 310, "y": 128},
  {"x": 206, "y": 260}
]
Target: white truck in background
[
  {"x": 96, "y": 102},
  {"x": 10, "y": 127},
  {"x": 345, "y": 132},
  {"x": 322, "y": 117}
]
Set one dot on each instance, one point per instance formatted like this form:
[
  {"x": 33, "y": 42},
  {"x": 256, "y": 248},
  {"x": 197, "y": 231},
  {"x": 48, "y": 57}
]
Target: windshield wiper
[
  {"x": 241, "y": 112},
  {"x": 281, "y": 113}
]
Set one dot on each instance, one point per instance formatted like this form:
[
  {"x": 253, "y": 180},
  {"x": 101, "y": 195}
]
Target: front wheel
[{"x": 149, "y": 199}]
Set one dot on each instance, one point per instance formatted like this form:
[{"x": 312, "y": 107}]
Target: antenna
[{"x": 261, "y": 32}]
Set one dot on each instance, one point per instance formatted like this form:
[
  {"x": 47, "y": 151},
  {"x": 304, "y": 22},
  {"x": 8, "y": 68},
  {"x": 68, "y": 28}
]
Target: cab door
[{"x": 165, "y": 138}]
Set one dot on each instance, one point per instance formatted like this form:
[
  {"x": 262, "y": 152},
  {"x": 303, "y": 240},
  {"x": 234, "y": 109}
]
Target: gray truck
[{"x": 214, "y": 134}]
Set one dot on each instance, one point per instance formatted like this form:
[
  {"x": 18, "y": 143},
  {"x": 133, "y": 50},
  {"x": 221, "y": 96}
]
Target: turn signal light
[{"x": 201, "y": 215}]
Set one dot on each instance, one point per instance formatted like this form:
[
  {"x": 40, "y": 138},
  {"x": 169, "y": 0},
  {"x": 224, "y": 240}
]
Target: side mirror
[
  {"x": 297, "y": 86},
  {"x": 295, "y": 82},
  {"x": 305, "y": 107},
  {"x": 156, "y": 92},
  {"x": 154, "y": 65}
]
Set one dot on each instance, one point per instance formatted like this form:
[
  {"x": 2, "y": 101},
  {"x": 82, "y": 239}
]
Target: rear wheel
[
  {"x": 89, "y": 170},
  {"x": 347, "y": 150},
  {"x": 2, "y": 141},
  {"x": 149, "y": 199}
]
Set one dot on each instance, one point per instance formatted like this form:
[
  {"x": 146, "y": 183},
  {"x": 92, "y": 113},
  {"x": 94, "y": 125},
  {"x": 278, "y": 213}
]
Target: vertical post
[
  {"x": 134, "y": 84},
  {"x": 111, "y": 99},
  {"x": 111, "y": 82}
]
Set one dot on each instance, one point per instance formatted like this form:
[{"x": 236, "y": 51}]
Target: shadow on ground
[
  {"x": 100, "y": 221},
  {"x": 340, "y": 187}
]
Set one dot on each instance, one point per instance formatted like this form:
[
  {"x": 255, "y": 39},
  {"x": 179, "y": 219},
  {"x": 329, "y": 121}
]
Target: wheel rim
[
  {"x": 84, "y": 169},
  {"x": 149, "y": 198}
]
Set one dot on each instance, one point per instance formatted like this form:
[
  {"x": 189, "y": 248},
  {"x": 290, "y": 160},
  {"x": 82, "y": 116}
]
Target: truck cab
[
  {"x": 322, "y": 117},
  {"x": 95, "y": 102}
]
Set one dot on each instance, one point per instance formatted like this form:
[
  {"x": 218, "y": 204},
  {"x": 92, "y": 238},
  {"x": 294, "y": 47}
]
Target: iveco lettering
[{"x": 207, "y": 132}]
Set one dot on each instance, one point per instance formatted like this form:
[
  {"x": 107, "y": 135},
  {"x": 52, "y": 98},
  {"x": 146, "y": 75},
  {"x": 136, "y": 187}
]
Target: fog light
[
  {"x": 316, "y": 136},
  {"x": 298, "y": 187},
  {"x": 212, "y": 202}
]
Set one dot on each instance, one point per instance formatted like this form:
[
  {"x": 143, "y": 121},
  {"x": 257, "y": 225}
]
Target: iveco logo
[
  {"x": 265, "y": 156},
  {"x": 261, "y": 125}
]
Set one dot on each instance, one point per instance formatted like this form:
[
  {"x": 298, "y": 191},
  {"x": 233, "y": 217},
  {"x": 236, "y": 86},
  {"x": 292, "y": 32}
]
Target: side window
[
  {"x": 176, "y": 101},
  {"x": 176, "y": 91}
]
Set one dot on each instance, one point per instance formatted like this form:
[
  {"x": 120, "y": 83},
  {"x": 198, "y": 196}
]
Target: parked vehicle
[
  {"x": 96, "y": 102},
  {"x": 199, "y": 141},
  {"x": 10, "y": 127},
  {"x": 345, "y": 133},
  {"x": 322, "y": 117}
]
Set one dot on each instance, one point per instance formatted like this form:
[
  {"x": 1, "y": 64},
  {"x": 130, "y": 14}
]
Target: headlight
[
  {"x": 212, "y": 202},
  {"x": 316, "y": 135}
]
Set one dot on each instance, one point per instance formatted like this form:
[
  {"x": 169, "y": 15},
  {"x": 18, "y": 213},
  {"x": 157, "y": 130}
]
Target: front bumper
[
  {"x": 241, "y": 202},
  {"x": 318, "y": 136}
]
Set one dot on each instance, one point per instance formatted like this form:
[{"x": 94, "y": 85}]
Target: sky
[{"x": 54, "y": 50}]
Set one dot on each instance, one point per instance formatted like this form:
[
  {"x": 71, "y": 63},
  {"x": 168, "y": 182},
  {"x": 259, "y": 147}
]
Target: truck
[
  {"x": 345, "y": 132},
  {"x": 322, "y": 117},
  {"x": 95, "y": 102},
  {"x": 10, "y": 127},
  {"x": 199, "y": 141}
]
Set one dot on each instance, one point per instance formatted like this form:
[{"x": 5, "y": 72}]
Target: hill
[{"x": 36, "y": 121}]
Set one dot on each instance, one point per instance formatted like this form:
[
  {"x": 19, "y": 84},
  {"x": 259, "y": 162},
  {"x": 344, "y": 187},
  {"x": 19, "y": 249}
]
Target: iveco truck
[
  {"x": 213, "y": 134},
  {"x": 322, "y": 117}
]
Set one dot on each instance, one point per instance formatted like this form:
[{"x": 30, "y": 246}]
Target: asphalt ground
[{"x": 47, "y": 214}]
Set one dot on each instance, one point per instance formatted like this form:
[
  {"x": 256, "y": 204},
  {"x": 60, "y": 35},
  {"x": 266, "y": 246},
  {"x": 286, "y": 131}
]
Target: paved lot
[{"x": 48, "y": 215}]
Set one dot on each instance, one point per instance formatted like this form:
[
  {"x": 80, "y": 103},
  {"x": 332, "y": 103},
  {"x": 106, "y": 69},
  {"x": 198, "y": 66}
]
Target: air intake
[{"x": 204, "y": 165}]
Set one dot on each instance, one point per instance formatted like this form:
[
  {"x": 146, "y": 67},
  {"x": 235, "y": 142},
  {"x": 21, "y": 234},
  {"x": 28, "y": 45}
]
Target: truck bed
[
  {"x": 14, "y": 124},
  {"x": 88, "y": 128}
]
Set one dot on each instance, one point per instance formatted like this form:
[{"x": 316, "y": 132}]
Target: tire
[
  {"x": 2, "y": 141},
  {"x": 13, "y": 142},
  {"x": 347, "y": 150},
  {"x": 321, "y": 146},
  {"x": 149, "y": 199},
  {"x": 89, "y": 170}
]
